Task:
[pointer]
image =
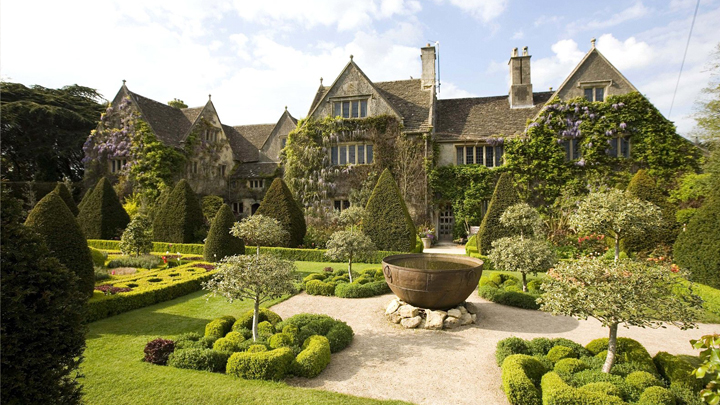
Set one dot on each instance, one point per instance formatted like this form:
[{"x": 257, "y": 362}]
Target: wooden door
[{"x": 446, "y": 223}]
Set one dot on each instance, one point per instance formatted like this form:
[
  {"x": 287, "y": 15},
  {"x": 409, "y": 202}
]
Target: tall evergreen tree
[
  {"x": 280, "y": 204},
  {"x": 491, "y": 228},
  {"x": 180, "y": 219},
  {"x": 698, "y": 247},
  {"x": 52, "y": 220},
  {"x": 42, "y": 330},
  {"x": 387, "y": 221},
  {"x": 102, "y": 216},
  {"x": 64, "y": 193},
  {"x": 644, "y": 187},
  {"x": 220, "y": 243}
]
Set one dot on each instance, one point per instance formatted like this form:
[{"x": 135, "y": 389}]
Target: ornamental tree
[
  {"x": 616, "y": 215},
  {"x": 259, "y": 230},
  {"x": 388, "y": 222},
  {"x": 526, "y": 251},
  {"x": 625, "y": 292},
  {"x": 180, "y": 219},
  {"x": 220, "y": 243},
  {"x": 62, "y": 190},
  {"x": 349, "y": 245},
  {"x": 352, "y": 217},
  {"x": 137, "y": 238},
  {"x": 644, "y": 187},
  {"x": 101, "y": 215},
  {"x": 258, "y": 278},
  {"x": 280, "y": 204},
  {"x": 491, "y": 229}
]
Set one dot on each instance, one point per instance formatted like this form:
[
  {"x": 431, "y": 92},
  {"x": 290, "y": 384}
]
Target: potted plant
[{"x": 427, "y": 235}]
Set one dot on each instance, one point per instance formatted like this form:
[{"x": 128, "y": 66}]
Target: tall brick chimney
[
  {"x": 521, "y": 94},
  {"x": 427, "y": 55}
]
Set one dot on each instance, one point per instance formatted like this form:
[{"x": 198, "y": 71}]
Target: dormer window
[
  {"x": 210, "y": 135},
  {"x": 117, "y": 164},
  {"x": 256, "y": 184},
  {"x": 350, "y": 108},
  {"x": 595, "y": 90}
]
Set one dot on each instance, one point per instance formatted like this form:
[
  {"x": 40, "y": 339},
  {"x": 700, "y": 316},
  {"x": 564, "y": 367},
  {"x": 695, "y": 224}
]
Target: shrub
[
  {"x": 602, "y": 387},
  {"x": 644, "y": 187},
  {"x": 265, "y": 330},
  {"x": 317, "y": 287},
  {"x": 257, "y": 348},
  {"x": 102, "y": 216},
  {"x": 628, "y": 351},
  {"x": 508, "y": 347},
  {"x": 676, "y": 371},
  {"x": 229, "y": 343},
  {"x": 558, "y": 353},
  {"x": 576, "y": 347},
  {"x": 685, "y": 395},
  {"x": 54, "y": 222},
  {"x": 98, "y": 257},
  {"x": 245, "y": 320},
  {"x": 62, "y": 190},
  {"x": 513, "y": 297},
  {"x": 521, "y": 376},
  {"x": 141, "y": 262},
  {"x": 314, "y": 357},
  {"x": 657, "y": 396},
  {"x": 211, "y": 204},
  {"x": 556, "y": 391},
  {"x": 188, "y": 340},
  {"x": 357, "y": 290},
  {"x": 339, "y": 334},
  {"x": 219, "y": 242},
  {"x": 639, "y": 381},
  {"x": 180, "y": 219},
  {"x": 42, "y": 335},
  {"x": 539, "y": 346},
  {"x": 569, "y": 365},
  {"x": 157, "y": 351},
  {"x": 219, "y": 327},
  {"x": 491, "y": 229},
  {"x": 266, "y": 365},
  {"x": 388, "y": 222},
  {"x": 281, "y": 340},
  {"x": 199, "y": 359},
  {"x": 279, "y": 203},
  {"x": 698, "y": 248},
  {"x": 137, "y": 238}
]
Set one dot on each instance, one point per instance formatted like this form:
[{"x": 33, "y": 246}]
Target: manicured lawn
[
  {"x": 306, "y": 268},
  {"x": 115, "y": 373}
]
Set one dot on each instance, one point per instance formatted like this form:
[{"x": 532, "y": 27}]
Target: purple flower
[
  {"x": 623, "y": 125},
  {"x": 580, "y": 162},
  {"x": 589, "y": 145}
]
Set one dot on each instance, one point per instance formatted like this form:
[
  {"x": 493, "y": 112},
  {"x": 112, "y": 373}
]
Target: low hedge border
[
  {"x": 367, "y": 283},
  {"x": 338, "y": 333},
  {"x": 506, "y": 289},
  {"x": 314, "y": 357},
  {"x": 521, "y": 376},
  {"x": 558, "y": 392},
  {"x": 261, "y": 365},
  {"x": 677, "y": 371},
  {"x": 199, "y": 359},
  {"x": 148, "y": 289}
]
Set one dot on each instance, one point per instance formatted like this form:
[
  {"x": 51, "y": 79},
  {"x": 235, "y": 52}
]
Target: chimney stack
[
  {"x": 427, "y": 55},
  {"x": 521, "y": 95}
]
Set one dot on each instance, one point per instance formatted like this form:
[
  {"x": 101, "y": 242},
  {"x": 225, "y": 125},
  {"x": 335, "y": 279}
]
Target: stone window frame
[
  {"x": 115, "y": 165},
  {"x": 341, "y": 204},
  {"x": 495, "y": 158},
  {"x": 594, "y": 85},
  {"x": 367, "y": 157},
  {"x": 256, "y": 184},
  {"x": 336, "y": 105},
  {"x": 617, "y": 151}
]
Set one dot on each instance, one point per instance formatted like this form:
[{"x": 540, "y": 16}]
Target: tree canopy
[{"x": 44, "y": 129}]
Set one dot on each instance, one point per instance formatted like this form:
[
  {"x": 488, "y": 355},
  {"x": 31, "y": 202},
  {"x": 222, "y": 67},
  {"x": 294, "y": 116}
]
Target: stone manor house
[{"x": 246, "y": 158}]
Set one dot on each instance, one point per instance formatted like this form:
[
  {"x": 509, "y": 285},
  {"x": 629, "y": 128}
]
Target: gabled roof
[
  {"x": 472, "y": 119},
  {"x": 254, "y": 170},
  {"x": 411, "y": 101},
  {"x": 192, "y": 113},
  {"x": 256, "y": 134},
  {"x": 592, "y": 52},
  {"x": 169, "y": 123},
  {"x": 243, "y": 150},
  {"x": 285, "y": 116}
]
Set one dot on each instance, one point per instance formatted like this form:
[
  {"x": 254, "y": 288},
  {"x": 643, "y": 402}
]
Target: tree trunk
[
  {"x": 350, "y": 269},
  {"x": 612, "y": 349},
  {"x": 258, "y": 250},
  {"x": 524, "y": 276},
  {"x": 256, "y": 315},
  {"x": 617, "y": 249}
]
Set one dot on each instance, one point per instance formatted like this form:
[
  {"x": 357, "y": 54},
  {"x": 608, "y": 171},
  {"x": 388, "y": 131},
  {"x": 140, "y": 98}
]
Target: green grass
[
  {"x": 115, "y": 373},
  {"x": 305, "y": 268}
]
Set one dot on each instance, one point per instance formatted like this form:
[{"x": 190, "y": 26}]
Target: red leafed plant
[
  {"x": 112, "y": 290},
  {"x": 157, "y": 351}
]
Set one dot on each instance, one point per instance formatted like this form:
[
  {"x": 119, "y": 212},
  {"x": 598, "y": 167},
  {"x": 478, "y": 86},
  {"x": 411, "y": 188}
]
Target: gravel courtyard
[{"x": 386, "y": 361}]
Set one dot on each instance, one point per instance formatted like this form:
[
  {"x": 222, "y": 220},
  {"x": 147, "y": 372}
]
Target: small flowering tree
[
  {"x": 525, "y": 252},
  {"x": 349, "y": 245},
  {"x": 258, "y": 278},
  {"x": 259, "y": 230},
  {"x": 137, "y": 238},
  {"x": 624, "y": 292},
  {"x": 615, "y": 214}
]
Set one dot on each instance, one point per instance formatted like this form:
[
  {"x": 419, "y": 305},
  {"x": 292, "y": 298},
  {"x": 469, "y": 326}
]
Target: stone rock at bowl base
[
  {"x": 472, "y": 307},
  {"x": 395, "y": 317},
  {"x": 392, "y": 307},
  {"x": 411, "y": 323},
  {"x": 474, "y": 318},
  {"x": 451, "y": 322},
  {"x": 455, "y": 313},
  {"x": 466, "y": 319},
  {"x": 408, "y": 311},
  {"x": 434, "y": 319},
  {"x": 462, "y": 310}
]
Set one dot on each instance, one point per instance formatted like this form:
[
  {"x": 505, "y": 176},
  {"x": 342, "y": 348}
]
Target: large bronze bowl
[{"x": 433, "y": 281}]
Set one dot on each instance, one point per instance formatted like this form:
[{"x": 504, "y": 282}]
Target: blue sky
[{"x": 255, "y": 57}]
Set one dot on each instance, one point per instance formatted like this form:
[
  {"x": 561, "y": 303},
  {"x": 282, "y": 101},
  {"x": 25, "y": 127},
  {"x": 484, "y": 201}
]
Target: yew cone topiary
[
  {"x": 387, "y": 221},
  {"x": 102, "y": 216},
  {"x": 698, "y": 247},
  {"x": 64, "y": 193},
  {"x": 180, "y": 219},
  {"x": 220, "y": 243},
  {"x": 491, "y": 229},
  {"x": 52, "y": 219},
  {"x": 280, "y": 204},
  {"x": 644, "y": 187}
]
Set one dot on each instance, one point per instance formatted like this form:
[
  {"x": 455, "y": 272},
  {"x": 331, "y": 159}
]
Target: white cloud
[
  {"x": 518, "y": 35},
  {"x": 484, "y": 10},
  {"x": 552, "y": 71},
  {"x": 627, "y": 55},
  {"x": 545, "y": 20},
  {"x": 637, "y": 10},
  {"x": 450, "y": 90}
]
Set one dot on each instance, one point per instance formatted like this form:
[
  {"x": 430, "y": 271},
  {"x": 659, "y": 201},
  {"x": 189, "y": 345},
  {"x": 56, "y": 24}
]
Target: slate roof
[
  {"x": 257, "y": 134},
  {"x": 169, "y": 123},
  {"x": 481, "y": 117},
  {"x": 243, "y": 150},
  {"x": 192, "y": 113},
  {"x": 406, "y": 96},
  {"x": 254, "y": 170}
]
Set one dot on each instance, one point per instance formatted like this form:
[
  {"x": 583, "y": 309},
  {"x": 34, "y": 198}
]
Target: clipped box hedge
[
  {"x": 521, "y": 376},
  {"x": 261, "y": 365},
  {"x": 314, "y": 357},
  {"x": 148, "y": 289}
]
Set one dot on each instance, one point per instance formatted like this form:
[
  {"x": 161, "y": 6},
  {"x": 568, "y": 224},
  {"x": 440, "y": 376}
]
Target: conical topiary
[
  {"x": 180, "y": 219},
  {"x": 643, "y": 186},
  {"x": 102, "y": 216},
  {"x": 387, "y": 221},
  {"x": 280, "y": 204},
  {"x": 52, "y": 219},
  {"x": 491, "y": 229},
  {"x": 64, "y": 193},
  {"x": 219, "y": 242},
  {"x": 85, "y": 199},
  {"x": 698, "y": 247}
]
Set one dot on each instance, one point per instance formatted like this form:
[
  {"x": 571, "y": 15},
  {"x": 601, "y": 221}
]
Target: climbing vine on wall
[{"x": 538, "y": 161}]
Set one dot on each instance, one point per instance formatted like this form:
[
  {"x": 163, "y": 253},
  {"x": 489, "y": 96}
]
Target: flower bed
[
  {"x": 367, "y": 283},
  {"x": 300, "y": 346},
  {"x": 147, "y": 289},
  {"x": 560, "y": 371}
]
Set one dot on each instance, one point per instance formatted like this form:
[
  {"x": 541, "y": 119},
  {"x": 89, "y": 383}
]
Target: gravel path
[{"x": 386, "y": 361}]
